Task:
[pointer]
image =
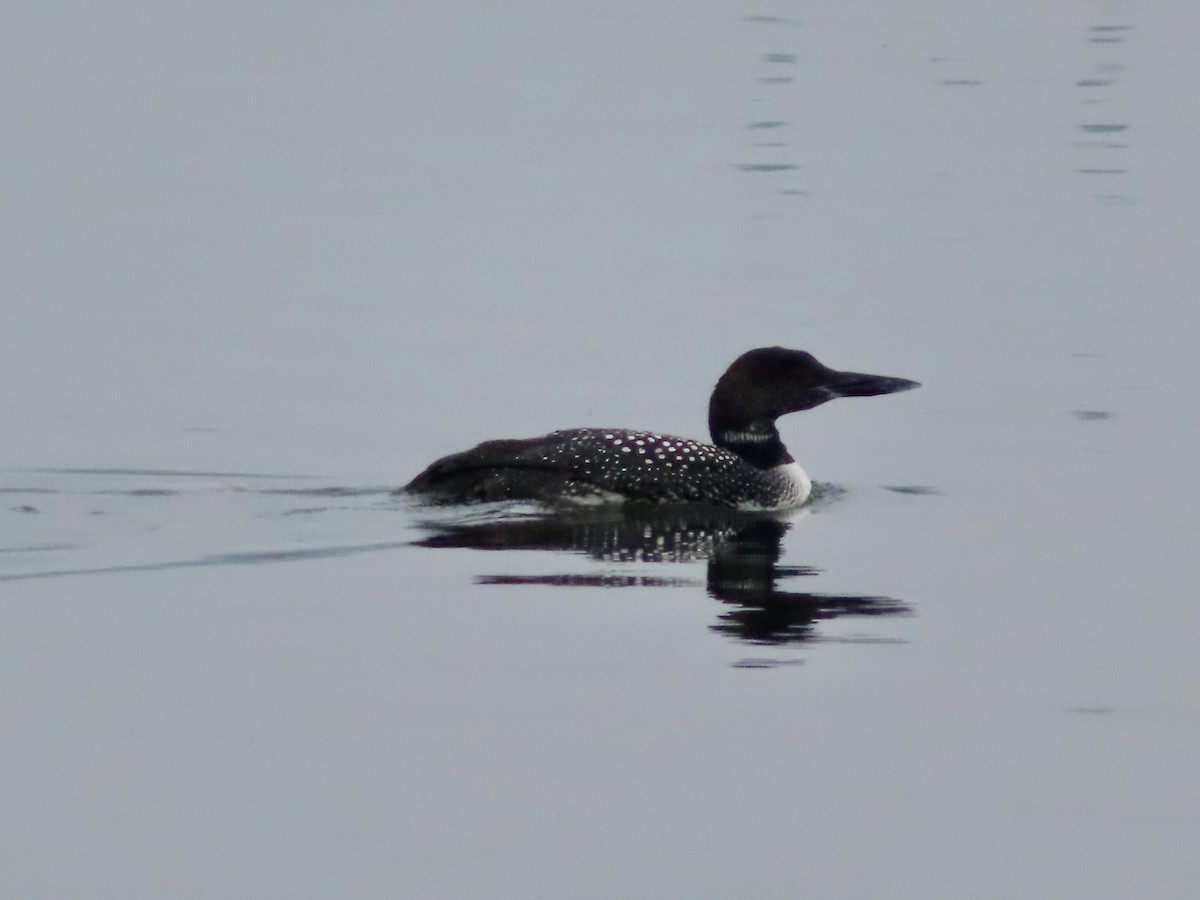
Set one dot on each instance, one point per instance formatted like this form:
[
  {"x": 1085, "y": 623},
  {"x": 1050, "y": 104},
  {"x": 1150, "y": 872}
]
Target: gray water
[{"x": 263, "y": 263}]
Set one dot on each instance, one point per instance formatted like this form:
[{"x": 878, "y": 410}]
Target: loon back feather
[
  {"x": 632, "y": 464},
  {"x": 488, "y": 455}
]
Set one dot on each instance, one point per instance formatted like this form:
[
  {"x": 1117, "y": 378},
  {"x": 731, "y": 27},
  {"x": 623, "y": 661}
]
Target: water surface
[{"x": 265, "y": 264}]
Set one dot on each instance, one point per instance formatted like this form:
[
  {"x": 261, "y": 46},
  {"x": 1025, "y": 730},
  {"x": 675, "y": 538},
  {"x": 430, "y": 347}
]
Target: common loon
[{"x": 746, "y": 467}]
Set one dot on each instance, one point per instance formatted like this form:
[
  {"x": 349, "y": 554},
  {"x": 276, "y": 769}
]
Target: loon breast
[{"x": 746, "y": 466}]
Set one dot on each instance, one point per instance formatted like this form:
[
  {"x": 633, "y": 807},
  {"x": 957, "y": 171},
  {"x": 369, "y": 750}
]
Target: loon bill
[{"x": 745, "y": 467}]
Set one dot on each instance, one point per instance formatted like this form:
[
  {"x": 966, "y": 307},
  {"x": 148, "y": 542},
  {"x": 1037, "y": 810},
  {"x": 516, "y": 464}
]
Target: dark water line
[
  {"x": 224, "y": 559},
  {"x": 165, "y": 473}
]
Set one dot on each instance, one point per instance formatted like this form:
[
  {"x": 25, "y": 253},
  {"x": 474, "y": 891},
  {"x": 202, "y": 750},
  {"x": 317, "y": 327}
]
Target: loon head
[{"x": 766, "y": 383}]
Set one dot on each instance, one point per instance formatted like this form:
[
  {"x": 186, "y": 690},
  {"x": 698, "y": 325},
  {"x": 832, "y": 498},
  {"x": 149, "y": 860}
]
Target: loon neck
[{"x": 758, "y": 442}]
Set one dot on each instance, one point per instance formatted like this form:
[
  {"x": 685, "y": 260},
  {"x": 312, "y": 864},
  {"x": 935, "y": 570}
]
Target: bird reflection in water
[{"x": 741, "y": 552}]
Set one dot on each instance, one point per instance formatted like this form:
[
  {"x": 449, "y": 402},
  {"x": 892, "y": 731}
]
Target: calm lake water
[{"x": 263, "y": 263}]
